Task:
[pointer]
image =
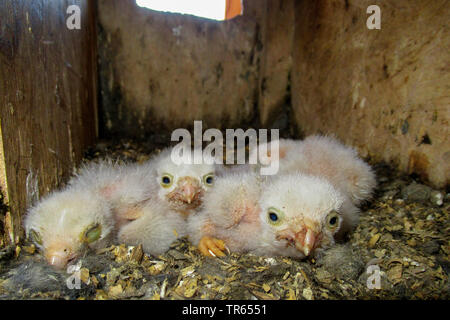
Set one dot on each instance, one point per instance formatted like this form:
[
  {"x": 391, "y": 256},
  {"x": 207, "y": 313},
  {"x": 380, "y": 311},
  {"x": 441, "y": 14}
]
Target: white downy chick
[
  {"x": 326, "y": 157},
  {"x": 302, "y": 213},
  {"x": 182, "y": 186},
  {"x": 141, "y": 216},
  {"x": 126, "y": 187},
  {"x": 147, "y": 198},
  {"x": 230, "y": 215},
  {"x": 156, "y": 229},
  {"x": 290, "y": 215},
  {"x": 64, "y": 224}
]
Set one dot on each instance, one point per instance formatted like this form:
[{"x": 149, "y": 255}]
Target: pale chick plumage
[
  {"x": 238, "y": 211},
  {"x": 64, "y": 224},
  {"x": 182, "y": 186},
  {"x": 156, "y": 229},
  {"x": 229, "y": 215},
  {"x": 141, "y": 216},
  {"x": 126, "y": 187},
  {"x": 326, "y": 157},
  {"x": 301, "y": 214},
  {"x": 151, "y": 200}
]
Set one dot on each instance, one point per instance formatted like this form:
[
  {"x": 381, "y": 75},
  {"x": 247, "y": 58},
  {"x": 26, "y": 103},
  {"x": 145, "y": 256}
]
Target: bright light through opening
[{"x": 211, "y": 9}]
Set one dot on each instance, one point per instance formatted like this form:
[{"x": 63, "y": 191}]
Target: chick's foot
[{"x": 212, "y": 247}]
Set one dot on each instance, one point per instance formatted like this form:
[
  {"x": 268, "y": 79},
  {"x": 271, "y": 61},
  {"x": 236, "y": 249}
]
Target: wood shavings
[
  {"x": 395, "y": 274},
  {"x": 410, "y": 252},
  {"x": 374, "y": 240},
  {"x": 324, "y": 276},
  {"x": 308, "y": 294},
  {"x": 101, "y": 295},
  {"x": 137, "y": 254},
  {"x": 115, "y": 291},
  {"x": 291, "y": 295},
  {"x": 263, "y": 296},
  {"x": 162, "y": 294},
  {"x": 31, "y": 249},
  {"x": 187, "y": 288},
  {"x": 84, "y": 275},
  {"x": 188, "y": 271},
  {"x": 156, "y": 268}
]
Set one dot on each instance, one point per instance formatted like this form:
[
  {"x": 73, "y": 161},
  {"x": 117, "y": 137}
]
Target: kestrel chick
[
  {"x": 326, "y": 157},
  {"x": 66, "y": 223}
]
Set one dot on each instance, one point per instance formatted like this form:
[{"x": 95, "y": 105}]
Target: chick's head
[
  {"x": 300, "y": 214},
  {"x": 65, "y": 224},
  {"x": 183, "y": 185}
]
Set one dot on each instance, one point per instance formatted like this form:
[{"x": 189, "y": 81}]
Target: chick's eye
[
  {"x": 166, "y": 180},
  {"x": 93, "y": 233},
  {"x": 274, "y": 216},
  {"x": 35, "y": 237},
  {"x": 208, "y": 179},
  {"x": 332, "y": 220}
]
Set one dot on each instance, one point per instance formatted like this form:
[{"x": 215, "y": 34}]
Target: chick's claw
[{"x": 212, "y": 247}]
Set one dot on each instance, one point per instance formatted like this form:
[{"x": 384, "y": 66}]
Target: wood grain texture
[
  {"x": 162, "y": 71},
  {"x": 276, "y": 62},
  {"x": 47, "y": 97},
  {"x": 309, "y": 66},
  {"x": 385, "y": 91}
]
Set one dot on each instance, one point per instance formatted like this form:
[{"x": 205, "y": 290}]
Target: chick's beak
[
  {"x": 305, "y": 238},
  {"x": 59, "y": 256},
  {"x": 189, "y": 189},
  {"x": 306, "y": 241}
]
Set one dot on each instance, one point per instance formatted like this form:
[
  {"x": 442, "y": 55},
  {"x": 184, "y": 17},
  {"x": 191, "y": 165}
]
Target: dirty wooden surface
[
  {"x": 303, "y": 66},
  {"x": 47, "y": 97},
  {"x": 162, "y": 71},
  {"x": 385, "y": 91}
]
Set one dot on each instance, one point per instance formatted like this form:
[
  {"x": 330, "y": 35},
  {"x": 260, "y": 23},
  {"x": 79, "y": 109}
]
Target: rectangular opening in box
[{"x": 211, "y": 9}]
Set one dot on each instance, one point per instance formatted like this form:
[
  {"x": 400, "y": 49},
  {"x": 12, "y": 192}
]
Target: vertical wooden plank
[
  {"x": 4, "y": 234},
  {"x": 161, "y": 71},
  {"x": 47, "y": 97},
  {"x": 383, "y": 91},
  {"x": 274, "y": 78}
]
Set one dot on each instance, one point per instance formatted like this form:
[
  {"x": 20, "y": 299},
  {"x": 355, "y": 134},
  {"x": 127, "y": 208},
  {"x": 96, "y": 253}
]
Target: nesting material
[{"x": 411, "y": 253}]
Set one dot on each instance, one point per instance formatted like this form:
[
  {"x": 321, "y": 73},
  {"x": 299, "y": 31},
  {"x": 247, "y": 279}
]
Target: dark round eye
[
  {"x": 274, "y": 216},
  {"x": 333, "y": 221},
  {"x": 208, "y": 179},
  {"x": 166, "y": 180}
]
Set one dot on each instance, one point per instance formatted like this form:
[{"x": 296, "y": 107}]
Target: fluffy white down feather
[
  {"x": 326, "y": 157},
  {"x": 234, "y": 196},
  {"x": 302, "y": 198},
  {"x": 156, "y": 229},
  {"x": 123, "y": 185},
  {"x": 196, "y": 173},
  {"x": 236, "y": 211},
  {"x": 61, "y": 219}
]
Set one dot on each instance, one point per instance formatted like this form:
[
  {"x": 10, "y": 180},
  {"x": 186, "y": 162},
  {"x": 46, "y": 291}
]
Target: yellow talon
[{"x": 212, "y": 247}]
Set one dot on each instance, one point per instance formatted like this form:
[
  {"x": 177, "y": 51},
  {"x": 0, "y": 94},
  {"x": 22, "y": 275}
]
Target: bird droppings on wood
[{"x": 403, "y": 232}]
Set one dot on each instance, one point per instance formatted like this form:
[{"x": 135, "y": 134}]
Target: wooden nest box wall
[{"x": 301, "y": 66}]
